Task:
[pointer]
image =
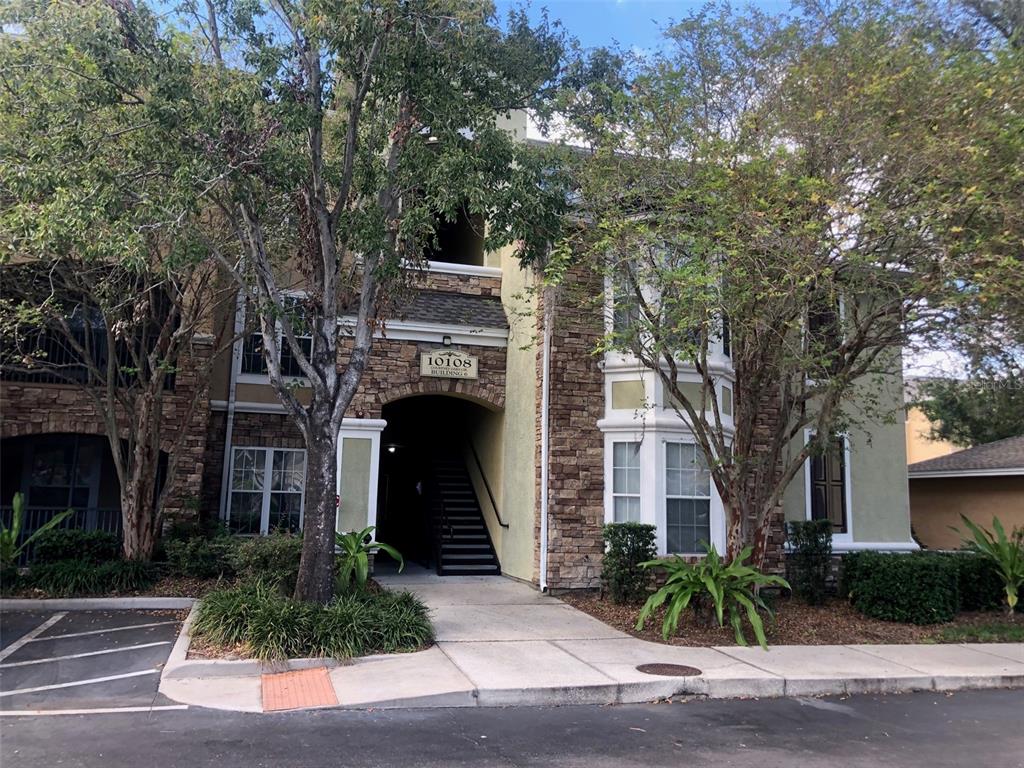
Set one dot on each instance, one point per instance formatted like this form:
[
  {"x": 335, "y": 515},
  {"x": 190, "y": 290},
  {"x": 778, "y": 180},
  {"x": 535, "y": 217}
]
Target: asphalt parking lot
[{"x": 55, "y": 661}]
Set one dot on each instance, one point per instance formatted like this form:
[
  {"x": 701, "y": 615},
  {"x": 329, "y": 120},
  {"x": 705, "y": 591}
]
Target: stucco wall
[
  {"x": 919, "y": 446},
  {"x": 937, "y": 503},
  {"x": 879, "y": 502},
  {"x": 517, "y": 497}
]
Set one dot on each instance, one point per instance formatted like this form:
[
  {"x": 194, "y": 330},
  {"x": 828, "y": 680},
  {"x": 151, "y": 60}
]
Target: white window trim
[
  {"x": 639, "y": 496},
  {"x": 652, "y": 477},
  {"x": 837, "y": 538},
  {"x": 264, "y": 378},
  {"x": 268, "y": 468},
  {"x": 664, "y": 497}
]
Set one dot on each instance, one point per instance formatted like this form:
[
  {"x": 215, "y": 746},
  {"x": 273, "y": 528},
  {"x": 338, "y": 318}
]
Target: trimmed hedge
[
  {"x": 918, "y": 588},
  {"x": 810, "y": 561},
  {"x": 272, "y": 626},
  {"x": 978, "y": 582},
  {"x": 626, "y": 546},
  {"x": 60, "y": 544}
]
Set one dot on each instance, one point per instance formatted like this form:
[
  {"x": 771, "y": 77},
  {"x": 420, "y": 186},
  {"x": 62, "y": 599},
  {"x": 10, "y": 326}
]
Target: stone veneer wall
[
  {"x": 576, "y": 445},
  {"x": 471, "y": 285},
  {"x": 768, "y": 415},
  {"x": 39, "y": 408}
]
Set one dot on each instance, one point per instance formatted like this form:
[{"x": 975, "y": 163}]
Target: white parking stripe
[
  {"x": 18, "y": 691},
  {"x": 104, "y": 631},
  {"x": 103, "y": 711},
  {"x": 30, "y": 636},
  {"x": 82, "y": 655}
]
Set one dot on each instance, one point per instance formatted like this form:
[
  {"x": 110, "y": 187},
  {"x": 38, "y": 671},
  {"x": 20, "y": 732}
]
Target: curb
[
  {"x": 179, "y": 667},
  {"x": 97, "y": 604}
]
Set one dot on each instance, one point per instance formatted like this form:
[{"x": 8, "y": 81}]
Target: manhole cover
[{"x": 669, "y": 670}]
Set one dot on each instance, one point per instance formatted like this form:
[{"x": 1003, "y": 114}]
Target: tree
[
  {"x": 802, "y": 192},
  {"x": 979, "y": 410},
  {"x": 105, "y": 284},
  {"x": 377, "y": 121}
]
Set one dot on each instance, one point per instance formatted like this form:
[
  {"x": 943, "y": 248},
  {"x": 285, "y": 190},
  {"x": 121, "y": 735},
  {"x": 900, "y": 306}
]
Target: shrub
[
  {"x": 95, "y": 547},
  {"x": 68, "y": 578},
  {"x": 10, "y": 548},
  {"x": 1006, "y": 553},
  {"x": 272, "y": 559},
  {"x": 202, "y": 558},
  {"x": 978, "y": 582},
  {"x": 919, "y": 588},
  {"x": 627, "y": 546},
  {"x": 274, "y": 626},
  {"x": 810, "y": 558},
  {"x": 726, "y": 587}
]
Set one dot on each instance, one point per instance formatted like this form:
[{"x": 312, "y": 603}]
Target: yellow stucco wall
[
  {"x": 937, "y": 503},
  {"x": 919, "y": 447}
]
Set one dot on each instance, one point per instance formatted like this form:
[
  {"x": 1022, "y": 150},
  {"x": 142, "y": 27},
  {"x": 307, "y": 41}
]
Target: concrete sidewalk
[{"x": 501, "y": 643}]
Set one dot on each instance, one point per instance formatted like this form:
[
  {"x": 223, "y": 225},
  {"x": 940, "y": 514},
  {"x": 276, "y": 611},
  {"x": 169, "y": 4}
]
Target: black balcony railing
[{"x": 88, "y": 519}]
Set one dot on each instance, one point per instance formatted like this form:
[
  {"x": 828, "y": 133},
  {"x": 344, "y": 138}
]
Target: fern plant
[
  {"x": 729, "y": 587},
  {"x": 1005, "y": 552},
  {"x": 354, "y": 557},
  {"x": 10, "y": 549}
]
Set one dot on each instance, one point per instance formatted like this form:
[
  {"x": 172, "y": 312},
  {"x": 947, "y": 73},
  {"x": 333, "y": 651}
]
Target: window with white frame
[
  {"x": 626, "y": 482},
  {"x": 827, "y": 486},
  {"x": 267, "y": 490},
  {"x": 687, "y": 499},
  {"x": 253, "y": 359}
]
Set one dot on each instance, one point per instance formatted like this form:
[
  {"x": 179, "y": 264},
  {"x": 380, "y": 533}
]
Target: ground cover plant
[
  {"x": 713, "y": 585},
  {"x": 257, "y": 619}
]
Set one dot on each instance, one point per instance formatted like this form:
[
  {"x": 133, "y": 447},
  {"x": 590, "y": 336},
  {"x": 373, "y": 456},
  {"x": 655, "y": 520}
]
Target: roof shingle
[
  {"x": 455, "y": 309},
  {"x": 1002, "y": 456}
]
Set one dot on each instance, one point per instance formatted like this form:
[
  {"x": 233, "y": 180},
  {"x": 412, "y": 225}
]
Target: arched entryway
[{"x": 440, "y": 459}]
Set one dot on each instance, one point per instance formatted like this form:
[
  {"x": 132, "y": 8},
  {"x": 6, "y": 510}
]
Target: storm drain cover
[{"x": 669, "y": 670}]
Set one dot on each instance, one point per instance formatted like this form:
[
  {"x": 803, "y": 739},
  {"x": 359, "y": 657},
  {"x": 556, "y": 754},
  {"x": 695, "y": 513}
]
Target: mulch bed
[{"x": 795, "y": 623}]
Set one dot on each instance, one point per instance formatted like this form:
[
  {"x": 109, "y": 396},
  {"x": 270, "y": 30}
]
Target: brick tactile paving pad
[{"x": 302, "y": 689}]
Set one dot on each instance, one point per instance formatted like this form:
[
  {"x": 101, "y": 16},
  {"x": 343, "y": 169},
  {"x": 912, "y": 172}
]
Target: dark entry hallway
[{"x": 428, "y": 506}]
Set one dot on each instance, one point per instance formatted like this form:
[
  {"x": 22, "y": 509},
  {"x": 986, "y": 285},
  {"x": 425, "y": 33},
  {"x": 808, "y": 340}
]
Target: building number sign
[{"x": 449, "y": 364}]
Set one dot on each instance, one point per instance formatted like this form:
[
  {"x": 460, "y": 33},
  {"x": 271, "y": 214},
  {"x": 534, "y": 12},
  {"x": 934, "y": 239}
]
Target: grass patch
[
  {"x": 269, "y": 625},
  {"x": 983, "y": 633}
]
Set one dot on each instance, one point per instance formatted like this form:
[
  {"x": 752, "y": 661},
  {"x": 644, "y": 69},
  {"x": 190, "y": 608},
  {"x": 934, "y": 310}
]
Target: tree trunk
[
  {"x": 138, "y": 513},
  {"x": 761, "y": 536},
  {"x": 733, "y": 531},
  {"x": 316, "y": 570}
]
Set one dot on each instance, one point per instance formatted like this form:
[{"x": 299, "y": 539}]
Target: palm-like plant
[
  {"x": 10, "y": 549},
  {"x": 354, "y": 557},
  {"x": 731, "y": 587},
  {"x": 1006, "y": 552}
]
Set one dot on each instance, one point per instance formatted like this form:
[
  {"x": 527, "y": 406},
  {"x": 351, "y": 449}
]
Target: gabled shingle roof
[
  {"x": 455, "y": 309},
  {"x": 1003, "y": 457}
]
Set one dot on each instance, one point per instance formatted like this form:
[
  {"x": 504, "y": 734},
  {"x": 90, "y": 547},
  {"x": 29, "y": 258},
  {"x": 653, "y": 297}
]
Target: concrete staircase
[{"x": 462, "y": 545}]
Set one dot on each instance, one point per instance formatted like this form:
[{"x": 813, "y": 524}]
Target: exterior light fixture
[{"x": 446, "y": 340}]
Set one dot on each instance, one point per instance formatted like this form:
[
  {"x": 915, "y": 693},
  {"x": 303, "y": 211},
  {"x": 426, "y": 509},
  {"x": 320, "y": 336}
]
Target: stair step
[{"x": 470, "y": 570}]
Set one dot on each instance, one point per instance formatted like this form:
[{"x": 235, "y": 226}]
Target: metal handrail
[{"x": 487, "y": 485}]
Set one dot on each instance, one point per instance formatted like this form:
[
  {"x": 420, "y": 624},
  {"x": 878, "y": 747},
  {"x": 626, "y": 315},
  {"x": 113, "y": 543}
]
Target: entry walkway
[{"x": 502, "y": 643}]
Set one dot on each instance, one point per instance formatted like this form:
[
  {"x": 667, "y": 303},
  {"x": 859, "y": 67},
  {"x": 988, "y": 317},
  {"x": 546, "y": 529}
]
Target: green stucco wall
[{"x": 356, "y": 459}]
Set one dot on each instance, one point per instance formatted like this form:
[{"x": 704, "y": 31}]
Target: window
[
  {"x": 687, "y": 499},
  {"x": 267, "y": 486},
  {"x": 253, "y": 360},
  {"x": 626, "y": 482},
  {"x": 828, "y": 486},
  {"x": 825, "y": 336}
]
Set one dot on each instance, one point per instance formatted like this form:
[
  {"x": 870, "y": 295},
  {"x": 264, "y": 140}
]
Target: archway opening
[{"x": 440, "y": 469}]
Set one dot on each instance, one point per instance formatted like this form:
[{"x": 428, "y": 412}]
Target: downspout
[
  {"x": 545, "y": 390},
  {"x": 236, "y": 355}
]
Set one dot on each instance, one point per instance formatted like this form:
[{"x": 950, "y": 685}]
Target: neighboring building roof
[
  {"x": 455, "y": 309},
  {"x": 1003, "y": 457}
]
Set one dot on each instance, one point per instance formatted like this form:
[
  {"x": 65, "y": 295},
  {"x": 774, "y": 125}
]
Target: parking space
[{"x": 83, "y": 660}]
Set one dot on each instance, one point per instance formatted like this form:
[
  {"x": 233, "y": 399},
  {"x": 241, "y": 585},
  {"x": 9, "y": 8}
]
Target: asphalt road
[
  {"x": 933, "y": 730},
  {"x": 83, "y": 660}
]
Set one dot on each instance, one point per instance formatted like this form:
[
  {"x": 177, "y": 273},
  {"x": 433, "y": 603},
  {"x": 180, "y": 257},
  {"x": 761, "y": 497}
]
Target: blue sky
[{"x": 631, "y": 23}]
